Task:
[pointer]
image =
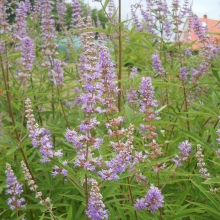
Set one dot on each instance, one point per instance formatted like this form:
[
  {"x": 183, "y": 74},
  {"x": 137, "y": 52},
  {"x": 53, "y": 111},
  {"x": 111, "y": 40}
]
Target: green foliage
[{"x": 187, "y": 112}]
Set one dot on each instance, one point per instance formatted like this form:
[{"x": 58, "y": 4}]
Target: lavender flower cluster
[
  {"x": 4, "y": 25},
  {"x": 158, "y": 19},
  {"x": 147, "y": 106},
  {"x": 41, "y": 137},
  {"x": 218, "y": 141},
  {"x": 201, "y": 164},
  {"x": 96, "y": 208},
  {"x": 61, "y": 10},
  {"x": 49, "y": 35},
  {"x": 157, "y": 64},
  {"x": 20, "y": 26},
  {"x": 14, "y": 188},
  {"x": 34, "y": 187},
  {"x": 76, "y": 12},
  {"x": 185, "y": 149},
  {"x": 152, "y": 201}
]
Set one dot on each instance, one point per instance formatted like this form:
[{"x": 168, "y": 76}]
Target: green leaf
[
  {"x": 186, "y": 213},
  {"x": 42, "y": 217},
  {"x": 81, "y": 116},
  {"x": 215, "y": 72},
  {"x": 69, "y": 216},
  {"x": 20, "y": 217},
  {"x": 162, "y": 108},
  {"x": 207, "y": 208},
  {"x": 182, "y": 197},
  {"x": 164, "y": 84},
  {"x": 121, "y": 212},
  {"x": 128, "y": 113},
  {"x": 214, "y": 137},
  {"x": 208, "y": 195},
  {"x": 212, "y": 180},
  {"x": 105, "y": 5},
  {"x": 14, "y": 56},
  {"x": 11, "y": 151},
  {"x": 214, "y": 99},
  {"x": 78, "y": 198},
  {"x": 109, "y": 190}
]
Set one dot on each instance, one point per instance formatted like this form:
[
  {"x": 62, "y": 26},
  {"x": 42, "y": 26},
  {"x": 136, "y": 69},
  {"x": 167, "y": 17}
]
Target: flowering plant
[{"x": 124, "y": 125}]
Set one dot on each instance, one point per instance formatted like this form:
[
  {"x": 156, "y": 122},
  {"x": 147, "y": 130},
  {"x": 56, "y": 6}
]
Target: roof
[{"x": 210, "y": 25}]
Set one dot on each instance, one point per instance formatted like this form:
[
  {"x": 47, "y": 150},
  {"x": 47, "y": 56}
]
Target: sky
[{"x": 200, "y": 7}]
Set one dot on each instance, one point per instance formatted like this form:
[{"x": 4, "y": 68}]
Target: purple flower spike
[
  {"x": 188, "y": 52},
  {"x": 28, "y": 5},
  {"x": 218, "y": 132},
  {"x": 199, "y": 30},
  {"x": 157, "y": 64},
  {"x": 154, "y": 199},
  {"x": 56, "y": 75},
  {"x": 40, "y": 137},
  {"x": 76, "y": 12},
  {"x": 183, "y": 75},
  {"x": 28, "y": 53},
  {"x": 112, "y": 10},
  {"x": 4, "y": 25},
  {"x": 96, "y": 207},
  {"x": 147, "y": 95},
  {"x": 14, "y": 188},
  {"x": 20, "y": 25},
  {"x": 134, "y": 72},
  {"x": 185, "y": 149},
  {"x": 168, "y": 29},
  {"x": 61, "y": 10},
  {"x": 138, "y": 24}
]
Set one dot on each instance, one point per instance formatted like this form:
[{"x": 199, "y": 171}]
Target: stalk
[
  {"x": 53, "y": 109},
  {"x": 86, "y": 178},
  {"x": 186, "y": 106},
  {"x": 11, "y": 115},
  {"x": 137, "y": 5},
  {"x": 64, "y": 113},
  {"x": 119, "y": 56},
  {"x": 131, "y": 196},
  {"x": 216, "y": 123},
  {"x": 35, "y": 98}
]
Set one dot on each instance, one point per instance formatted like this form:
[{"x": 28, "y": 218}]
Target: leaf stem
[{"x": 131, "y": 196}]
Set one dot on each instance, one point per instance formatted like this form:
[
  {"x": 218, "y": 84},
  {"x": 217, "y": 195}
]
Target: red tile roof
[{"x": 211, "y": 25}]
